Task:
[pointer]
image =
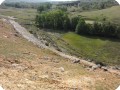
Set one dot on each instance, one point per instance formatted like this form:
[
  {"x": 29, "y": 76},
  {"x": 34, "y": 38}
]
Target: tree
[
  {"x": 40, "y": 8},
  {"x": 81, "y": 27},
  {"x": 66, "y": 23},
  {"x": 44, "y": 7},
  {"x": 74, "y": 22},
  {"x": 96, "y": 28},
  {"x": 56, "y": 19}
]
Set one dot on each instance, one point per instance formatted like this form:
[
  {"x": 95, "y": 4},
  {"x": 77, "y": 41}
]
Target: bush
[
  {"x": 82, "y": 27},
  {"x": 106, "y": 29}
]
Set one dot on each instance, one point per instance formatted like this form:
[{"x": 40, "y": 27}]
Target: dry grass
[{"x": 112, "y": 14}]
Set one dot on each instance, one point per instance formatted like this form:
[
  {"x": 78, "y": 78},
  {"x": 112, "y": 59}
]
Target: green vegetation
[
  {"x": 59, "y": 20},
  {"x": 94, "y": 48},
  {"x": 44, "y": 7},
  {"x": 56, "y": 19},
  {"x": 86, "y": 5}
]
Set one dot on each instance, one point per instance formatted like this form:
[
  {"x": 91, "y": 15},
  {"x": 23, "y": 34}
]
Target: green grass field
[{"x": 95, "y": 48}]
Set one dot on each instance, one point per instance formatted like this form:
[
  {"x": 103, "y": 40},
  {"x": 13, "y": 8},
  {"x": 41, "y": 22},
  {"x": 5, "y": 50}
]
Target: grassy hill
[{"x": 112, "y": 14}]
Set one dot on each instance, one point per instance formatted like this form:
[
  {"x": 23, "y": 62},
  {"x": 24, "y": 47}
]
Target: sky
[{"x": 60, "y": 0}]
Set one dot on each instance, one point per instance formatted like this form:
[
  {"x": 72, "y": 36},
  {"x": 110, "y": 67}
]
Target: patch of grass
[{"x": 95, "y": 48}]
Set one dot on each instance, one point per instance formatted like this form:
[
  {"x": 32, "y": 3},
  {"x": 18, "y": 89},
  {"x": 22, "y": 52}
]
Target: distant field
[
  {"x": 96, "y": 48},
  {"x": 112, "y": 14},
  {"x": 19, "y": 13},
  {"x": 23, "y": 16}
]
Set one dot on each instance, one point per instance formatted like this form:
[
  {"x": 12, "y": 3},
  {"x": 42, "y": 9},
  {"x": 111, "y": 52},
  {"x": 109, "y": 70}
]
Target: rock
[
  {"x": 115, "y": 68},
  {"x": 6, "y": 36},
  {"x": 46, "y": 44},
  {"x": 28, "y": 53},
  {"x": 61, "y": 69},
  {"x": 76, "y": 61},
  {"x": 118, "y": 68},
  {"x": 89, "y": 60},
  {"x": 99, "y": 66},
  {"x": 104, "y": 68},
  {"x": 16, "y": 35},
  {"x": 95, "y": 67}
]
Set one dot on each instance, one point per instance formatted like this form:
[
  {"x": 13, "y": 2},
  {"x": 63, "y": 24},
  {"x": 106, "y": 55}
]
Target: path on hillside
[{"x": 21, "y": 30}]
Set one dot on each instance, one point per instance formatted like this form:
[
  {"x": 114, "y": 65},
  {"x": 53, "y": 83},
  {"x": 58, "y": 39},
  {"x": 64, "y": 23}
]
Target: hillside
[
  {"x": 112, "y": 14},
  {"x": 28, "y": 66},
  {"x": 25, "y": 66}
]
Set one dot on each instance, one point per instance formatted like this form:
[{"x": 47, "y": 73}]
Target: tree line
[
  {"x": 27, "y": 5},
  {"x": 59, "y": 20},
  {"x": 89, "y": 4}
]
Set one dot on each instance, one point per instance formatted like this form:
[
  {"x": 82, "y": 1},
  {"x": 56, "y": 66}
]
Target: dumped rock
[
  {"x": 76, "y": 61},
  {"x": 104, "y": 68},
  {"x": 96, "y": 67}
]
